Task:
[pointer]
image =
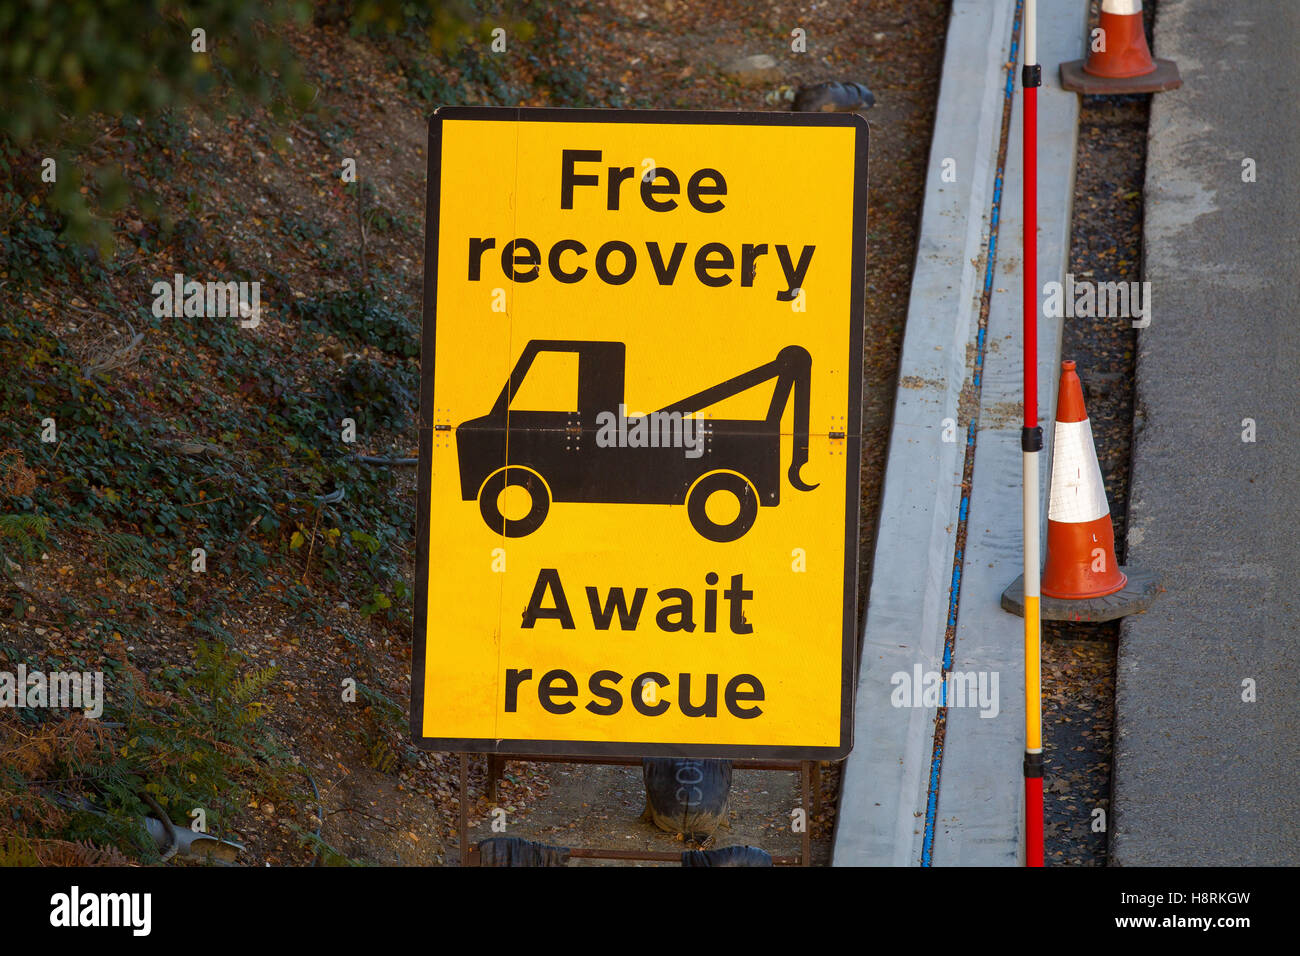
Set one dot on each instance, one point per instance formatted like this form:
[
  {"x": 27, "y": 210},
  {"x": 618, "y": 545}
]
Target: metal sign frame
[
  {"x": 853, "y": 429},
  {"x": 810, "y": 785}
]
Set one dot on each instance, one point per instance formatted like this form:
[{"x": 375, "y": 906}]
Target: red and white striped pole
[{"x": 1031, "y": 442}]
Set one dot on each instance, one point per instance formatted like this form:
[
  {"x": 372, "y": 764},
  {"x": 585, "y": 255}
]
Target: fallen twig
[
  {"x": 206, "y": 501},
  {"x": 310, "y": 548}
]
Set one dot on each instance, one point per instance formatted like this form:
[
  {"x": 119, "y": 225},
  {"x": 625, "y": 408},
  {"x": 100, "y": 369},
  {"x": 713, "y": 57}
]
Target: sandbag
[
  {"x": 686, "y": 796},
  {"x": 727, "y": 856},
  {"x": 513, "y": 851}
]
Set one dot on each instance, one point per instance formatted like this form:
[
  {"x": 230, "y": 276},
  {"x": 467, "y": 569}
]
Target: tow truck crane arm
[{"x": 792, "y": 369}]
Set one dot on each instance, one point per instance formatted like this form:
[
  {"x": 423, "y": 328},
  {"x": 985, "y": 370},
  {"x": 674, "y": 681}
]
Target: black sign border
[{"x": 853, "y": 477}]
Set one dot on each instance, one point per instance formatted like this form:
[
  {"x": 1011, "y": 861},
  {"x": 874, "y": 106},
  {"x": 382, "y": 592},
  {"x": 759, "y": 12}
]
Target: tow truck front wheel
[
  {"x": 514, "y": 501},
  {"x": 722, "y": 506}
]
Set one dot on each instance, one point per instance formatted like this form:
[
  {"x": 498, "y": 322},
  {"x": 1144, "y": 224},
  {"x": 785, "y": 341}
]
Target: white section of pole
[
  {"x": 1031, "y": 32},
  {"x": 1030, "y": 465}
]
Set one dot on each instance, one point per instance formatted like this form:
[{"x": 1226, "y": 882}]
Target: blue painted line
[{"x": 968, "y": 466}]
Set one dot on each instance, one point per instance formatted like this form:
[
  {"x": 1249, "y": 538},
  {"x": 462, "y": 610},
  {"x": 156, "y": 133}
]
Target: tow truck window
[{"x": 551, "y": 384}]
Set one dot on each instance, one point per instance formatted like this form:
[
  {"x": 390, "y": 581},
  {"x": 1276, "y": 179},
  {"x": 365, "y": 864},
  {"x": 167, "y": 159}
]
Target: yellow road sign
[{"x": 639, "y": 441}]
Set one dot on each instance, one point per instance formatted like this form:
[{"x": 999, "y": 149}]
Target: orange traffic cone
[
  {"x": 1081, "y": 579},
  {"x": 1119, "y": 60},
  {"x": 1080, "y": 537}
]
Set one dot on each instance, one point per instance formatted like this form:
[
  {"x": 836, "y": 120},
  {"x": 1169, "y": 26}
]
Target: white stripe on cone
[
  {"x": 1077, "y": 491},
  {"x": 1124, "y": 8}
]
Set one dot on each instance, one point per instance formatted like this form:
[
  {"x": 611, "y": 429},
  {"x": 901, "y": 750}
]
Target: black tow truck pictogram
[{"x": 554, "y": 455}]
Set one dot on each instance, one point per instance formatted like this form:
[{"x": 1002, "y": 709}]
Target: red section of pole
[
  {"x": 1034, "y": 813},
  {"x": 1031, "y": 256}
]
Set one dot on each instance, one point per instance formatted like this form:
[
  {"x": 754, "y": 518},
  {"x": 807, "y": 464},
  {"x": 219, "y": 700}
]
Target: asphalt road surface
[{"x": 1207, "y": 769}]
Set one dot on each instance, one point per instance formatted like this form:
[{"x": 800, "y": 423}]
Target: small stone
[{"x": 756, "y": 69}]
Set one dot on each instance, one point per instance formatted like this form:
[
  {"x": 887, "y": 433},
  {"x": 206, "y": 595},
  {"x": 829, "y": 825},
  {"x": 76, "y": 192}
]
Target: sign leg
[
  {"x": 464, "y": 809},
  {"x": 496, "y": 765},
  {"x": 805, "y": 795}
]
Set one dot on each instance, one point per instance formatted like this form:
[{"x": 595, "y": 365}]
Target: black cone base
[
  {"x": 1136, "y": 597},
  {"x": 1164, "y": 77}
]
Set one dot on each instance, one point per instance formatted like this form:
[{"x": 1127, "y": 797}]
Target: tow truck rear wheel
[
  {"x": 490, "y": 496},
  {"x": 722, "y": 488}
]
